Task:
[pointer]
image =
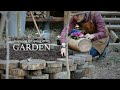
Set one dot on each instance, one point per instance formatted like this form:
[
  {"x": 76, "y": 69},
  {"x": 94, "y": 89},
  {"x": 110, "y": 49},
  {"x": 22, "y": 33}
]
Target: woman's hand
[{"x": 89, "y": 36}]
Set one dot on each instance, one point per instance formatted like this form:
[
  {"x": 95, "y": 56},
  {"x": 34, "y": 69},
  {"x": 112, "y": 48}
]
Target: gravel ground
[{"x": 105, "y": 69}]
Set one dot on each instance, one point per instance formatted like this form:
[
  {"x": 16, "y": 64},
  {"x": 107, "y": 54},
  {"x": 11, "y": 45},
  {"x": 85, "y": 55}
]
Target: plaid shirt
[{"x": 98, "y": 22}]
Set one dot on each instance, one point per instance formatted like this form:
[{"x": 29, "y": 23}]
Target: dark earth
[{"x": 51, "y": 55}]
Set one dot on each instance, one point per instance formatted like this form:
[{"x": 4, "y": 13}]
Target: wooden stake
[
  {"x": 67, "y": 13},
  {"x": 35, "y": 23}
]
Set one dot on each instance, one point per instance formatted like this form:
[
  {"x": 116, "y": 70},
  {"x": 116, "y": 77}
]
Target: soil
[
  {"x": 20, "y": 55},
  {"x": 105, "y": 71},
  {"x": 107, "y": 68}
]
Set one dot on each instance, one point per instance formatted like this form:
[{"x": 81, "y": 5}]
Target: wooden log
[
  {"x": 72, "y": 68},
  {"x": 53, "y": 64},
  {"x": 114, "y": 47},
  {"x": 52, "y": 69},
  {"x": 109, "y": 13},
  {"x": 60, "y": 75},
  {"x": 113, "y": 27},
  {"x": 81, "y": 59},
  {"x": 78, "y": 74},
  {"x": 12, "y": 64},
  {"x": 35, "y": 73},
  {"x": 80, "y": 45},
  {"x": 86, "y": 57},
  {"x": 43, "y": 76},
  {"x": 78, "y": 60},
  {"x": 18, "y": 72},
  {"x": 3, "y": 76},
  {"x": 114, "y": 37},
  {"x": 34, "y": 64},
  {"x": 63, "y": 60},
  {"x": 112, "y": 20}
]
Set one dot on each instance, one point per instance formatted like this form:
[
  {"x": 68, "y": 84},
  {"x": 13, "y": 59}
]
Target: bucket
[{"x": 80, "y": 45}]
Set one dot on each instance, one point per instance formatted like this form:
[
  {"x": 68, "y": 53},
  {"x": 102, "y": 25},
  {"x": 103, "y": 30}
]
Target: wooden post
[
  {"x": 35, "y": 24},
  {"x": 18, "y": 24},
  {"x": 2, "y": 24},
  {"x": 114, "y": 37},
  {"x": 8, "y": 51},
  {"x": 67, "y": 18}
]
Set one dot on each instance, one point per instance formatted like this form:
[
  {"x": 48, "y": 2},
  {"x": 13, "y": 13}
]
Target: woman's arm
[
  {"x": 71, "y": 26},
  {"x": 100, "y": 25}
]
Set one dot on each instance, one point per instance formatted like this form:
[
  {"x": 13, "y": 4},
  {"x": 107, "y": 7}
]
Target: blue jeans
[{"x": 94, "y": 52}]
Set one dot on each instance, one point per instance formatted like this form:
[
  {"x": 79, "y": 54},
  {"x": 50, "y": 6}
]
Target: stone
[
  {"x": 43, "y": 76},
  {"x": 52, "y": 69},
  {"x": 12, "y": 64},
  {"x": 18, "y": 72},
  {"x": 63, "y": 60},
  {"x": 36, "y": 72},
  {"x": 53, "y": 64},
  {"x": 60, "y": 75},
  {"x": 34, "y": 64},
  {"x": 3, "y": 76},
  {"x": 72, "y": 68}
]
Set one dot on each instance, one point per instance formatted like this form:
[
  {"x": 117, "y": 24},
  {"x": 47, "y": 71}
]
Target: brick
[
  {"x": 53, "y": 64},
  {"x": 36, "y": 72},
  {"x": 72, "y": 68},
  {"x": 60, "y": 75},
  {"x": 43, "y": 76},
  {"x": 18, "y": 72},
  {"x": 63, "y": 60},
  {"x": 34, "y": 64},
  {"x": 3, "y": 76},
  {"x": 12, "y": 64},
  {"x": 52, "y": 69}
]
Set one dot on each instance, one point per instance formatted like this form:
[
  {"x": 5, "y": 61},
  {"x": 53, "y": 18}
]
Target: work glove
[
  {"x": 89, "y": 36},
  {"x": 63, "y": 51}
]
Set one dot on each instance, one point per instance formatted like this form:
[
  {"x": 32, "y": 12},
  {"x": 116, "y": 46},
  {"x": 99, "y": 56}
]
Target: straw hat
[{"x": 78, "y": 12}]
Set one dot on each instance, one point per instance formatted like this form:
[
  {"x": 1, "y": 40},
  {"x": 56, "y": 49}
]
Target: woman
[{"x": 98, "y": 34}]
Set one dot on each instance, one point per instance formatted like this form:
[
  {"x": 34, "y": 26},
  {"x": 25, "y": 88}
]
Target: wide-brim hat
[{"x": 78, "y": 12}]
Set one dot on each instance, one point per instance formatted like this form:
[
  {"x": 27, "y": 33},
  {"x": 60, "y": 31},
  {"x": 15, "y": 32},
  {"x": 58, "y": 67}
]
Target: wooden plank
[
  {"x": 113, "y": 27},
  {"x": 114, "y": 37},
  {"x": 53, "y": 19},
  {"x": 110, "y": 13},
  {"x": 113, "y": 20}
]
